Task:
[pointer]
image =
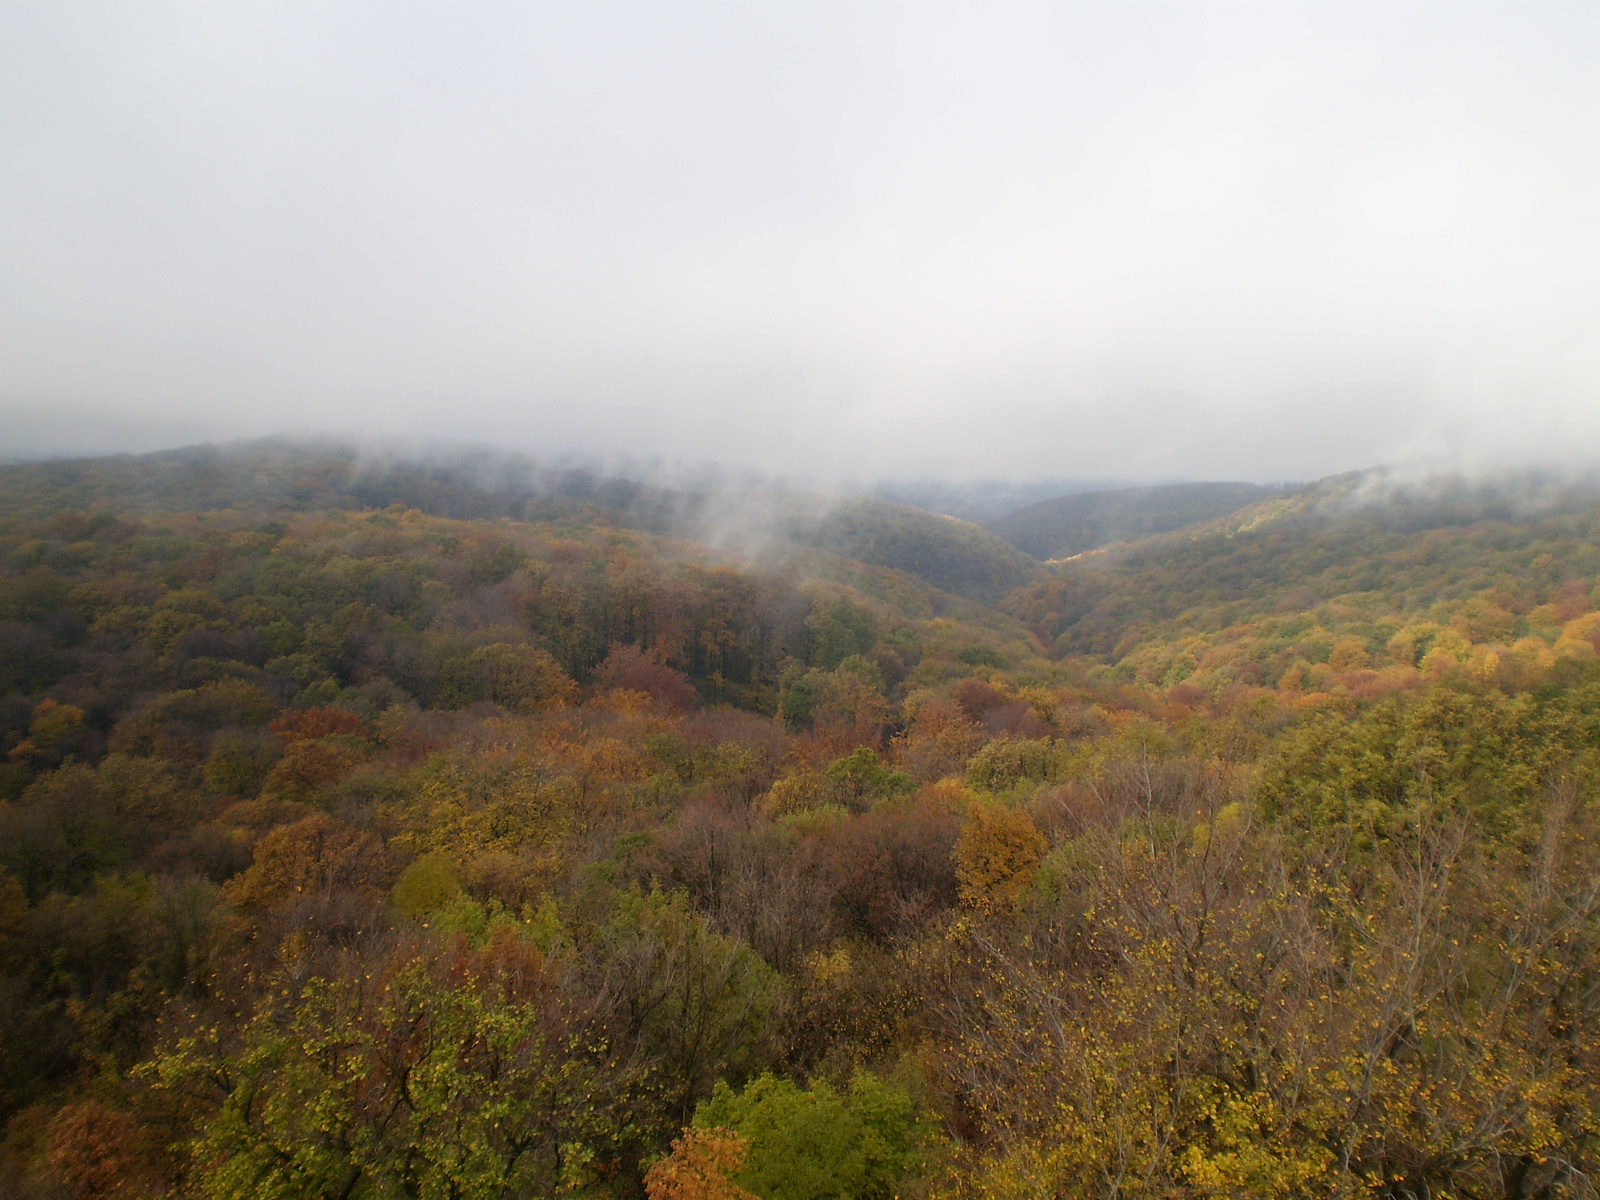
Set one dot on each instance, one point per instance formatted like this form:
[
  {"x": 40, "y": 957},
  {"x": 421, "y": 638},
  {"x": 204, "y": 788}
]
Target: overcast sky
[{"x": 1006, "y": 240}]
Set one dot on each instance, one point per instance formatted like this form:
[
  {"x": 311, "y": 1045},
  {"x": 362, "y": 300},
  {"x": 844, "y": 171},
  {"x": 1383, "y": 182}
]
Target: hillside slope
[
  {"x": 1068, "y": 525},
  {"x": 1352, "y": 573},
  {"x": 951, "y": 554},
  {"x": 353, "y": 844},
  {"x": 752, "y": 520}
]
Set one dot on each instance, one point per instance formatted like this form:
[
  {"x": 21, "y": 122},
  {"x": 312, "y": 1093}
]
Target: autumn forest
[{"x": 387, "y": 829}]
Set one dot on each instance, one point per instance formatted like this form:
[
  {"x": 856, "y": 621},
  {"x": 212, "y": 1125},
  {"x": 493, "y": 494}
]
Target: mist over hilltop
[
  {"x": 1140, "y": 243},
  {"x": 972, "y": 539}
]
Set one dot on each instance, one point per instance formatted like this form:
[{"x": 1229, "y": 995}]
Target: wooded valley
[{"x": 387, "y": 830}]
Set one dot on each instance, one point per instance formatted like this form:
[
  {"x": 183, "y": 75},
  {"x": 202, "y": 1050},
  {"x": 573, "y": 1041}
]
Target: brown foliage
[
  {"x": 976, "y": 697},
  {"x": 314, "y": 723},
  {"x": 13, "y": 912},
  {"x": 508, "y": 966},
  {"x": 305, "y": 768},
  {"x": 751, "y": 880},
  {"x": 314, "y": 855},
  {"x": 941, "y": 737},
  {"x": 92, "y": 1151},
  {"x": 630, "y": 669},
  {"x": 892, "y": 869},
  {"x": 998, "y": 709}
]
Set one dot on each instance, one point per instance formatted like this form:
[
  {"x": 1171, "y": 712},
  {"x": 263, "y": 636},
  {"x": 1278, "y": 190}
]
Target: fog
[{"x": 1095, "y": 240}]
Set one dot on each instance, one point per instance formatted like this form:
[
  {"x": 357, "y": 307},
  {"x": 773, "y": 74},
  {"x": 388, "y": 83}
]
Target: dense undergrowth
[{"x": 372, "y": 853}]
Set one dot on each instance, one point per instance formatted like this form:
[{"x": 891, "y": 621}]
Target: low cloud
[{"x": 1024, "y": 241}]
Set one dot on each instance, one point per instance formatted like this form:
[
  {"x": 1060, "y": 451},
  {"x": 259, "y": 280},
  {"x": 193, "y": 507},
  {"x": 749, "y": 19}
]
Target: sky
[{"x": 1001, "y": 240}]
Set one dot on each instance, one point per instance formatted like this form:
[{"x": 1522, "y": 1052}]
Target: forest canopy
[{"x": 421, "y": 833}]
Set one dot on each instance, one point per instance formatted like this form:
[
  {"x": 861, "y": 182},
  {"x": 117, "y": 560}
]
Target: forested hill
[
  {"x": 1359, "y": 570},
  {"x": 1067, "y": 525},
  {"x": 375, "y": 830},
  {"x": 308, "y": 477},
  {"x": 766, "y": 521}
]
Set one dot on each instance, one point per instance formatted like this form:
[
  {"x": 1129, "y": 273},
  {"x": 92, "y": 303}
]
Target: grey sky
[{"x": 1109, "y": 239}]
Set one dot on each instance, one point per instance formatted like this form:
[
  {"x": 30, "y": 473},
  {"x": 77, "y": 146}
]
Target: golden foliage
[
  {"x": 996, "y": 855},
  {"x": 801, "y": 792},
  {"x": 314, "y": 855},
  {"x": 698, "y": 1168}
]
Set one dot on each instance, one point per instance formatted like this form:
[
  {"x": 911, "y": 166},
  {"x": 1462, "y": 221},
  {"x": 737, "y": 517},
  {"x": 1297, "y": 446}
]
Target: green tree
[
  {"x": 468, "y": 1075},
  {"x": 695, "y": 1001},
  {"x": 816, "y": 1142}
]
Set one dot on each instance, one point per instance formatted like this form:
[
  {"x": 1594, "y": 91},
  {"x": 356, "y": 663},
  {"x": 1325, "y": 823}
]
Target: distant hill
[
  {"x": 951, "y": 554},
  {"x": 1361, "y": 557},
  {"x": 985, "y": 500},
  {"x": 768, "y": 522},
  {"x": 1068, "y": 525},
  {"x": 320, "y": 476}
]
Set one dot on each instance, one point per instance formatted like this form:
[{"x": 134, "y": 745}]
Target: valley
[{"x": 381, "y": 827}]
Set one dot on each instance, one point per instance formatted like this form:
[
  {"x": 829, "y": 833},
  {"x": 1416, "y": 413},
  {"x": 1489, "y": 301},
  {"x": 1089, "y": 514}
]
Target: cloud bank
[{"x": 1131, "y": 240}]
